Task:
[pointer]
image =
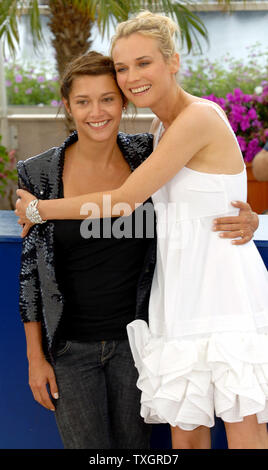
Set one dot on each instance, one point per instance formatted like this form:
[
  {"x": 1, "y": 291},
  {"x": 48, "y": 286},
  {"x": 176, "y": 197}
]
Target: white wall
[{"x": 234, "y": 32}]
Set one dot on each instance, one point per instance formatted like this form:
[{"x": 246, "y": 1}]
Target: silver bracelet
[{"x": 32, "y": 212}]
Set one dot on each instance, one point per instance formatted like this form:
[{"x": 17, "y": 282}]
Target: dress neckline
[{"x": 215, "y": 174}]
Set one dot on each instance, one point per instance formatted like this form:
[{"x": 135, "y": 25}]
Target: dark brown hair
[{"x": 92, "y": 63}]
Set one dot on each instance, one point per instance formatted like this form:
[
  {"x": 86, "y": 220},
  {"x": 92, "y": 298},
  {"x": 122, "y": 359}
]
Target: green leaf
[{"x": 35, "y": 23}]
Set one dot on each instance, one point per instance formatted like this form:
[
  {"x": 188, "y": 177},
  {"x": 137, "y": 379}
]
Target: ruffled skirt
[{"x": 185, "y": 382}]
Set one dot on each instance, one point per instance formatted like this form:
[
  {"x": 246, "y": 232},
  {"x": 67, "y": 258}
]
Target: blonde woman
[{"x": 205, "y": 350}]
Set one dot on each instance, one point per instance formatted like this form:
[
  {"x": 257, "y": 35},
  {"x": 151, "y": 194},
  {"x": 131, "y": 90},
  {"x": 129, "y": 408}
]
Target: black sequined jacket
[{"x": 40, "y": 298}]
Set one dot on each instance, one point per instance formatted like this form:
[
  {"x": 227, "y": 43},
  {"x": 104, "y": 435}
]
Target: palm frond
[
  {"x": 35, "y": 23},
  {"x": 105, "y": 12},
  {"x": 191, "y": 27},
  {"x": 9, "y": 24},
  {"x": 10, "y": 12}
]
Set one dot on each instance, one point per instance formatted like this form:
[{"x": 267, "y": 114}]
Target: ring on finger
[{"x": 241, "y": 233}]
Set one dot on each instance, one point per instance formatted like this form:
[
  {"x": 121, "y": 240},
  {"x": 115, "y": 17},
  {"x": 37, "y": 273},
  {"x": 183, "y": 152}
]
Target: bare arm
[
  {"x": 189, "y": 132},
  {"x": 41, "y": 372}
]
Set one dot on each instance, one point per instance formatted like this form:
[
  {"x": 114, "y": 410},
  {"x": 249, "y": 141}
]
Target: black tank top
[{"x": 99, "y": 275}]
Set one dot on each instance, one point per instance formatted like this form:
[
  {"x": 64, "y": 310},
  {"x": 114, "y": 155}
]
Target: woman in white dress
[{"x": 205, "y": 350}]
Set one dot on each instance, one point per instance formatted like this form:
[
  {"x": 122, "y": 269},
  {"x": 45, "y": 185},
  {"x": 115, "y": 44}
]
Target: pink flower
[
  {"x": 252, "y": 114},
  {"x": 257, "y": 123},
  {"x": 221, "y": 102},
  {"x": 244, "y": 123},
  {"x": 230, "y": 97},
  {"x": 236, "y": 113},
  {"x": 236, "y": 96},
  {"x": 252, "y": 149},
  {"x": 242, "y": 143},
  {"x": 187, "y": 73},
  {"x": 247, "y": 98},
  {"x": 238, "y": 93},
  {"x": 215, "y": 99},
  {"x": 54, "y": 103},
  {"x": 18, "y": 78},
  {"x": 245, "y": 115},
  {"x": 233, "y": 124}
]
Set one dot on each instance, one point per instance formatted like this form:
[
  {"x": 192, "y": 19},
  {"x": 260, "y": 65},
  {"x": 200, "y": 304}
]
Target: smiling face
[
  {"x": 95, "y": 104},
  {"x": 143, "y": 74}
]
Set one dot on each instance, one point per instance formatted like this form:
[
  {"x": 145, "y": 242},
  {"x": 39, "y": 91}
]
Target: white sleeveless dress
[{"x": 206, "y": 348}]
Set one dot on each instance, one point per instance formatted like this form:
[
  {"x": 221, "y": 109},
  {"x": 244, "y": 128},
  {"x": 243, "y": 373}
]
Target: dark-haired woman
[{"x": 78, "y": 293}]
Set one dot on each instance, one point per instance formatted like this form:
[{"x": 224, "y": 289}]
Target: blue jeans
[{"x": 99, "y": 402}]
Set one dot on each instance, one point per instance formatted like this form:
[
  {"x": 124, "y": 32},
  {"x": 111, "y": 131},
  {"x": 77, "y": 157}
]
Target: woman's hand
[
  {"x": 25, "y": 227},
  {"x": 240, "y": 227},
  {"x": 24, "y": 197},
  {"x": 41, "y": 373}
]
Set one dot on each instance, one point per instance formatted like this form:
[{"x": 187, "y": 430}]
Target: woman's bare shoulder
[{"x": 211, "y": 104}]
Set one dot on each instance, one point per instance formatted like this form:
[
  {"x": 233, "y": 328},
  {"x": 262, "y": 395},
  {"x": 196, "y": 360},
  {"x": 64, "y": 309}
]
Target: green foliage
[
  {"x": 27, "y": 86},
  {"x": 10, "y": 12},
  {"x": 8, "y": 170},
  {"x": 222, "y": 76}
]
